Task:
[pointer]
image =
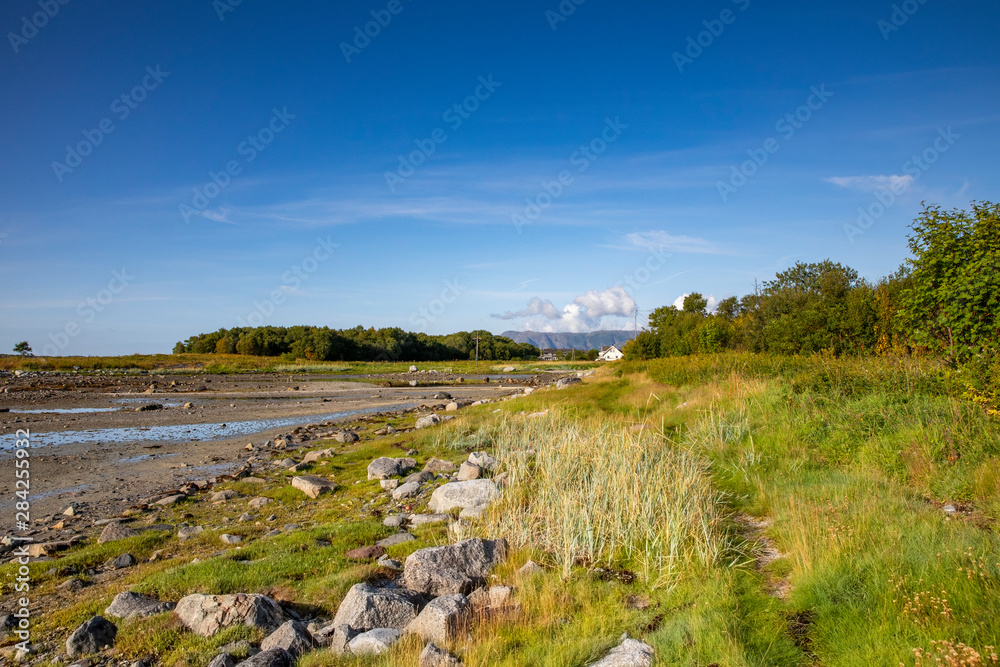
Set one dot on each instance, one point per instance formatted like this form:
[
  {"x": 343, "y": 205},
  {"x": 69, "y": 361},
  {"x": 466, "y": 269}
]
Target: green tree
[
  {"x": 952, "y": 301},
  {"x": 23, "y": 348},
  {"x": 695, "y": 303}
]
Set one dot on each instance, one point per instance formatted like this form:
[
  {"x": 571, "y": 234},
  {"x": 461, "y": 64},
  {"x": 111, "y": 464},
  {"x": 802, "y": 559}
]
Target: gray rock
[
  {"x": 259, "y": 502},
  {"x": 291, "y": 636},
  {"x": 440, "y": 465},
  {"x": 428, "y": 421},
  {"x": 389, "y": 563},
  {"x": 276, "y": 657},
  {"x": 366, "y": 607},
  {"x": 171, "y": 500},
  {"x": 474, "y": 512},
  {"x": 451, "y": 407},
  {"x": 230, "y": 539},
  {"x": 629, "y": 653},
  {"x": 432, "y": 656},
  {"x": 128, "y": 605},
  {"x": 346, "y": 436},
  {"x": 388, "y": 484},
  {"x": 484, "y": 461},
  {"x": 421, "y": 477},
  {"x": 566, "y": 382},
  {"x": 240, "y": 649},
  {"x": 384, "y": 467},
  {"x": 454, "y": 568},
  {"x": 413, "y": 369},
  {"x": 393, "y": 540},
  {"x": 207, "y": 614},
  {"x": 121, "y": 562},
  {"x": 313, "y": 486},
  {"x": 407, "y": 490},
  {"x": 91, "y": 637},
  {"x": 463, "y": 494},
  {"x": 394, "y": 521},
  {"x": 337, "y": 637},
  {"x": 530, "y": 568},
  {"x": 374, "y": 642},
  {"x": 469, "y": 471},
  {"x": 7, "y": 622},
  {"x": 442, "y": 619},
  {"x": 222, "y": 660},
  {"x": 186, "y": 532},
  {"x": 495, "y": 597},
  {"x": 115, "y": 531},
  {"x": 227, "y": 494}
]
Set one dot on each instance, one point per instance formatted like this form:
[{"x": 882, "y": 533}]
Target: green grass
[{"x": 839, "y": 467}]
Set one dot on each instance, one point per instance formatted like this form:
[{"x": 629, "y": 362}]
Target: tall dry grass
[{"x": 604, "y": 495}]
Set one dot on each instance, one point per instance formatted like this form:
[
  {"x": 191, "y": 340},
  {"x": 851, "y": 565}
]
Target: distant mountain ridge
[{"x": 594, "y": 340}]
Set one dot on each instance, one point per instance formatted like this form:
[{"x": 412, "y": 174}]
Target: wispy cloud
[
  {"x": 666, "y": 242},
  {"x": 892, "y": 182}
]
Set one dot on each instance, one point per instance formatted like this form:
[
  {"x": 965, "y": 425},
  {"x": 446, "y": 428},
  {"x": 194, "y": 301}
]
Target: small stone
[
  {"x": 291, "y": 636},
  {"x": 469, "y": 471},
  {"x": 428, "y": 421},
  {"x": 424, "y": 519},
  {"x": 389, "y": 563},
  {"x": 398, "y": 538},
  {"x": 440, "y": 465},
  {"x": 346, "y": 436},
  {"x": 257, "y": 503},
  {"x": 407, "y": 490},
  {"x": 394, "y": 521},
  {"x": 170, "y": 500},
  {"x": 91, "y": 637},
  {"x": 433, "y": 656},
  {"x": 484, "y": 461},
  {"x": 374, "y": 642},
  {"x": 388, "y": 484},
  {"x": 365, "y": 553},
  {"x": 230, "y": 539},
  {"x": 129, "y": 605},
  {"x": 313, "y": 486},
  {"x": 451, "y": 407},
  {"x": 115, "y": 531},
  {"x": 186, "y": 532},
  {"x": 530, "y": 568}
]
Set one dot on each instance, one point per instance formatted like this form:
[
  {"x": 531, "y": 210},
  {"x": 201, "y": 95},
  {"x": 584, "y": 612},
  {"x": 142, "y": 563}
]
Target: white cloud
[
  {"x": 661, "y": 240},
  {"x": 713, "y": 303},
  {"x": 873, "y": 183},
  {"x": 586, "y": 312}
]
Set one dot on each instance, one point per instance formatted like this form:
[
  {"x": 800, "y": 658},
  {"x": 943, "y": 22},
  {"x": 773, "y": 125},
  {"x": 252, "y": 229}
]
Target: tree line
[
  {"x": 943, "y": 301},
  {"x": 357, "y": 344}
]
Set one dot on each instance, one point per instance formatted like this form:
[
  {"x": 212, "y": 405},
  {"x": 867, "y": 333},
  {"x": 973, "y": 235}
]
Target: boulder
[
  {"x": 407, "y": 490},
  {"x": 207, "y": 614},
  {"x": 121, "y": 562},
  {"x": 227, "y": 494},
  {"x": 419, "y": 477},
  {"x": 394, "y": 521},
  {"x": 337, "y": 637},
  {"x": 115, "y": 531},
  {"x": 484, "y": 461},
  {"x": 442, "y": 619},
  {"x": 530, "y": 568},
  {"x": 185, "y": 532},
  {"x": 170, "y": 500},
  {"x": 566, "y": 382},
  {"x": 428, "y": 421},
  {"x": 432, "y": 656},
  {"x": 222, "y": 660},
  {"x": 439, "y": 465},
  {"x": 484, "y": 600},
  {"x": 366, "y": 607},
  {"x": 259, "y": 502},
  {"x": 384, "y": 467},
  {"x": 629, "y": 653},
  {"x": 393, "y": 540},
  {"x": 453, "y": 568},
  {"x": 128, "y": 605},
  {"x": 313, "y": 486},
  {"x": 346, "y": 436},
  {"x": 413, "y": 369},
  {"x": 291, "y": 636},
  {"x": 469, "y": 471},
  {"x": 312, "y": 457},
  {"x": 463, "y": 494},
  {"x": 390, "y": 564},
  {"x": 230, "y": 539},
  {"x": 374, "y": 642},
  {"x": 91, "y": 637},
  {"x": 508, "y": 369},
  {"x": 451, "y": 407},
  {"x": 276, "y": 657}
]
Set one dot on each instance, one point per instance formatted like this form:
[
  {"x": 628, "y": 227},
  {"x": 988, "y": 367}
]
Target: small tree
[{"x": 23, "y": 348}]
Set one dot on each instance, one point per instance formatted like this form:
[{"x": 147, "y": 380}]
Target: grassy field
[
  {"x": 236, "y": 363},
  {"x": 733, "y": 510}
]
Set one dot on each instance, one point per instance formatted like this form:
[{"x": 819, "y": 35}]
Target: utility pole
[
  {"x": 636, "y": 322},
  {"x": 477, "y": 339}
]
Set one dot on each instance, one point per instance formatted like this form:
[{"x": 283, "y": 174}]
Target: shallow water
[
  {"x": 182, "y": 432},
  {"x": 63, "y": 411}
]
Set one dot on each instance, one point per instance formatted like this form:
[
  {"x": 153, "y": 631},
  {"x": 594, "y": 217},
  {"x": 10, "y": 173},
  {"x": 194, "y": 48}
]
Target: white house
[{"x": 611, "y": 353}]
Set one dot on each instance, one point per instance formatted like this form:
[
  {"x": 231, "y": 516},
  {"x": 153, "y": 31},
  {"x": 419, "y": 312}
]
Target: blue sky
[{"x": 173, "y": 168}]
